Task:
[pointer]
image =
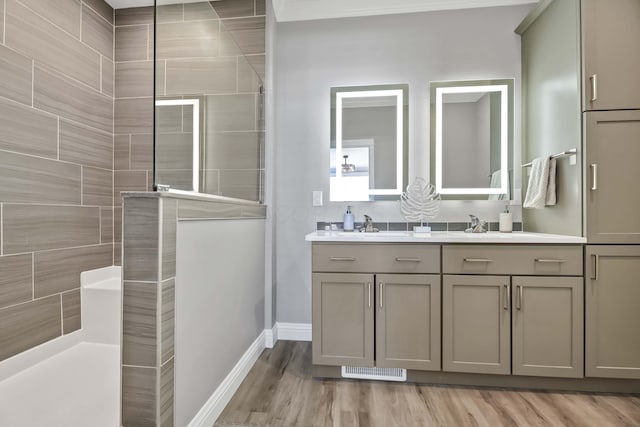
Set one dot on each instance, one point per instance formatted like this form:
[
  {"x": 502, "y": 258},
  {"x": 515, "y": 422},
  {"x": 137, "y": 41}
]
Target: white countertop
[{"x": 442, "y": 237}]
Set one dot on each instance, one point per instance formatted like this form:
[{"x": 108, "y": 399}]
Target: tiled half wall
[{"x": 148, "y": 319}]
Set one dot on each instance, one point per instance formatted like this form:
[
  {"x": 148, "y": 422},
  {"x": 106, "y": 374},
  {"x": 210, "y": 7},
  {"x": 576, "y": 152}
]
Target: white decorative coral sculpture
[{"x": 419, "y": 203}]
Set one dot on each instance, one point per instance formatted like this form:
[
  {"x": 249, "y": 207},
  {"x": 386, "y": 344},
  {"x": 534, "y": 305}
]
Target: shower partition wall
[{"x": 209, "y": 126}]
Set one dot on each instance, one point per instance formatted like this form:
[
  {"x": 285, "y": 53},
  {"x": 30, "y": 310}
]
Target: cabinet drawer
[
  {"x": 512, "y": 259},
  {"x": 376, "y": 258}
]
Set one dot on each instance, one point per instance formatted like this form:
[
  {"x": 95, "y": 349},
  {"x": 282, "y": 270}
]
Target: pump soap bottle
[
  {"x": 348, "y": 220},
  {"x": 506, "y": 221}
]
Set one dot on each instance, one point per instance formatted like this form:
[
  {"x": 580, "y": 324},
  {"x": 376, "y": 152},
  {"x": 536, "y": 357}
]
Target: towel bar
[{"x": 567, "y": 153}]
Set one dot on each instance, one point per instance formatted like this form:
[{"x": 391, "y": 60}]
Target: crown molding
[{"x": 303, "y": 10}]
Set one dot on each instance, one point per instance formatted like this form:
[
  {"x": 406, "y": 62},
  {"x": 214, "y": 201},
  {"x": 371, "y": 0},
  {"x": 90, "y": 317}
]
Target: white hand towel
[
  {"x": 538, "y": 184},
  {"x": 550, "y": 199}
]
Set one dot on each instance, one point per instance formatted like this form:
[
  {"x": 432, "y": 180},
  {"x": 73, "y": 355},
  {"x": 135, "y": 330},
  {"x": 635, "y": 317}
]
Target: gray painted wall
[
  {"x": 313, "y": 56},
  {"x": 551, "y": 76},
  {"x": 220, "y": 304}
]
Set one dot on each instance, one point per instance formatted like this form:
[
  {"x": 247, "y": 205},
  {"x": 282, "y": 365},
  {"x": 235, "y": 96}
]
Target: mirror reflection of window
[{"x": 356, "y": 170}]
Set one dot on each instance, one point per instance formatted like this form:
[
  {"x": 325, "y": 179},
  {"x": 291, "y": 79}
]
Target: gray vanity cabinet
[
  {"x": 612, "y": 140},
  {"x": 386, "y": 292},
  {"x": 476, "y": 324},
  {"x": 612, "y": 311},
  {"x": 547, "y": 326},
  {"x": 611, "y": 34},
  {"x": 528, "y": 321},
  {"x": 343, "y": 310},
  {"x": 408, "y": 321}
]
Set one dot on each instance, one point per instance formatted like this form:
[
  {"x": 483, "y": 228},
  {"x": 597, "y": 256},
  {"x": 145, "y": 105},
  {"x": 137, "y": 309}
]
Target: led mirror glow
[
  {"x": 195, "y": 104},
  {"x": 502, "y": 90},
  {"x": 352, "y": 159}
]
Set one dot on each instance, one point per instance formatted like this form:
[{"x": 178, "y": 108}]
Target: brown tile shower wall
[
  {"x": 56, "y": 163},
  {"x": 133, "y": 109}
]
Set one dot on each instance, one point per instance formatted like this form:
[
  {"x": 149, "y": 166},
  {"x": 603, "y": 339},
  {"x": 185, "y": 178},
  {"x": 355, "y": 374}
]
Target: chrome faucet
[
  {"x": 368, "y": 225},
  {"x": 477, "y": 226}
]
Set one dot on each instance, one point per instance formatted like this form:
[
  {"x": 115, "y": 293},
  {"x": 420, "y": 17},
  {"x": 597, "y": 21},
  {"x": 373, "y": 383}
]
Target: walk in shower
[{"x": 209, "y": 119}]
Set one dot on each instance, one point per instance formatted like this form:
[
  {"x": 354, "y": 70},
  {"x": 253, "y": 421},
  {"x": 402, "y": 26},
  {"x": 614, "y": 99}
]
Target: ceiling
[{"x": 303, "y": 10}]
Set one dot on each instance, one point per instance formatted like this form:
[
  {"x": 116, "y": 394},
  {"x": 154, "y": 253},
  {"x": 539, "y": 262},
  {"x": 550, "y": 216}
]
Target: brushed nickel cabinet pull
[
  {"x": 595, "y": 260},
  {"x": 381, "y": 292},
  {"x": 408, "y": 259},
  {"x": 369, "y": 287},
  {"x": 337, "y": 258},
  {"x": 594, "y": 176},
  {"x": 594, "y": 87},
  {"x": 477, "y": 260},
  {"x": 549, "y": 261},
  {"x": 519, "y": 300},
  {"x": 506, "y": 298}
]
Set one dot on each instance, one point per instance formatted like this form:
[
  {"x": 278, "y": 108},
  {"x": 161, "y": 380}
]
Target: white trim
[
  {"x": 270, "y": 337},
  {"x": 297, "y": 10},
  {"x": 293, "y": 331},
  {"x": 211, "y": 410}
]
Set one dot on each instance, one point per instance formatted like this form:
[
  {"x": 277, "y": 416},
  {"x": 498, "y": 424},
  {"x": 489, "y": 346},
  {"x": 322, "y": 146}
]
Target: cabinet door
[
  {"x": 408, "y": 321},
  {"x": 611, "y": 33},
  {"x": 476, "y": 321},
  {"x": 612, "y": 201},
  {"x": 548, "y": 326},
  {"x": 342, "y": 319},
  {"x": 612, "y": 311}
]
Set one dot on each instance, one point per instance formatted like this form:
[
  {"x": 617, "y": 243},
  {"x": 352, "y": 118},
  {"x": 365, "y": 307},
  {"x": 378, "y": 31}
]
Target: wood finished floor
[{"x": 280, "y": 391}]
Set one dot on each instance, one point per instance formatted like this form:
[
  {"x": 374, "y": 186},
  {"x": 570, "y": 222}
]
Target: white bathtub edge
[
  {"x": 90, "y": 277},
  {"x": 28, "y": 358}
]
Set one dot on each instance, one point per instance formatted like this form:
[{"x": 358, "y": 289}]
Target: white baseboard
[
  {"x": 209, "y": 413},
  {"x": 293, "y": 331},
  {"x": 270, "y": 337}
]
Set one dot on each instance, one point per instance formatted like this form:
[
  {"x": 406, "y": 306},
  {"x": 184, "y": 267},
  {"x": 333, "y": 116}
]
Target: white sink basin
[{"x": 360, "y": 235}]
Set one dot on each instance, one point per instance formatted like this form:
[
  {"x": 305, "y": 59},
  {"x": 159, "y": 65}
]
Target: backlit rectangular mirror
[
  {"x": 368, "y": 152},
  {"x": 472, "y": 139}
]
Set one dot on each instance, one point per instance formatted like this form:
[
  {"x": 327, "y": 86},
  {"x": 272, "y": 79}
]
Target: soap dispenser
[
  {"x": 348, "y": 220},
  {"x": 506, "y": 221}
]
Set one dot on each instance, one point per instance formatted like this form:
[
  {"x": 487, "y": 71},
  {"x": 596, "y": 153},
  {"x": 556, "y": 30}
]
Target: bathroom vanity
[{"x": 456, "y": 308}]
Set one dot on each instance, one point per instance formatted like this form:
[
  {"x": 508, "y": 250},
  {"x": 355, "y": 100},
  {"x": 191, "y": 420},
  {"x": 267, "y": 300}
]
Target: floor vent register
[{"x": 382, "y": 374}]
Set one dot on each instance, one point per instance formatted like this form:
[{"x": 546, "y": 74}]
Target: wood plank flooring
[{"x": 280, "y": 391}]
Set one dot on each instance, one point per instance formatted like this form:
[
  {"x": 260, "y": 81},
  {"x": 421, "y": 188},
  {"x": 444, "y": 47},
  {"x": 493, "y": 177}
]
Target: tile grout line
[
  {"x": 82, "y": 190},
  {"x": 148, "y": 40},
  {"x": 56, "y": 249},
  {"x": 61, "y": 317},
  {"x": 58, "y": 145},
  {"x": 33, "y": 79},
  {"x": 101, "y": 73},
  {"x": 52, "y": 115},
  {"x": 33, "y": 276},
  {"x": 37, "y": 299},
  {"x": 81, "y": 18},
  {"x": 159, "y": 311}
]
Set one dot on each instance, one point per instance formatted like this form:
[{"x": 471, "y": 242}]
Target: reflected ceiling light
[{"x": 347, "y": 167}]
